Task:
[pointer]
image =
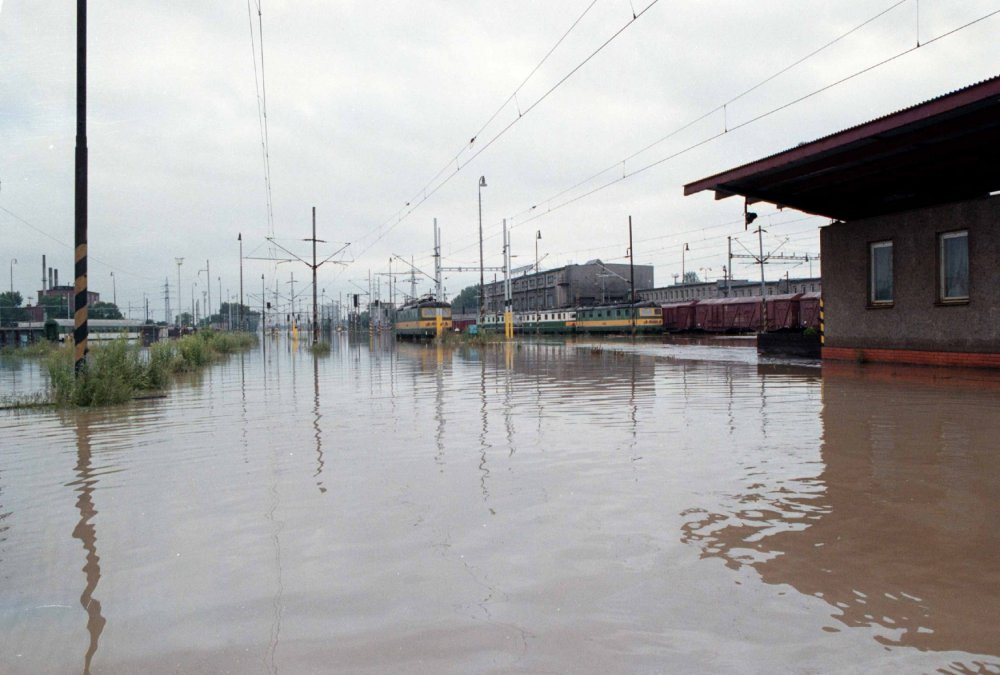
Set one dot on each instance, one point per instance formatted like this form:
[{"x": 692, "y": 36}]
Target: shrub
[
  {"x": 320, "y": 348},
  {"x": 117, "y": 371}
]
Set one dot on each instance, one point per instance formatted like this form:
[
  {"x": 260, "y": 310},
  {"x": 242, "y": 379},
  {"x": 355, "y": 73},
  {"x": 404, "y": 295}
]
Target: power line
[
  {"x": 424, "y": 195},
  {"x": 674, "y": 155},
  {"x": 69, "y": 247},
  {"x": 260, "y": 93}
]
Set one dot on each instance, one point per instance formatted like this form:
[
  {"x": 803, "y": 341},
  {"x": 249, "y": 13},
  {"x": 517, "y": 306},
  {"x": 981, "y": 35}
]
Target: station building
[
  {"x": 592, "y": 283},
  {"x": 911, "y": 254}
]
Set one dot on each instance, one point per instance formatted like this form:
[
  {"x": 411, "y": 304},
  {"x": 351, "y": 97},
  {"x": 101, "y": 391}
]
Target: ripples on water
[{"x": 547, "y": 506}]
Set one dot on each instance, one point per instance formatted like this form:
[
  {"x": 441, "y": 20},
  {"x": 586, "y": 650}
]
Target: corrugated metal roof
[{"x": 911, "y": 144}]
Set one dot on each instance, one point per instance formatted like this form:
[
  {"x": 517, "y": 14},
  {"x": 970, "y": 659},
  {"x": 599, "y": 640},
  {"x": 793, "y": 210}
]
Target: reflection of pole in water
[
  {"x": 508, "y": 407},
  {"x": 482, "y": 436},
  {"x": 87, "y": 534},
  {"x": 634, "y": 417},
  {"x": 277, "y": 602},
  {"x": 439, "y": 409},
  {"x": 243, "y": 408},
  {"x": 316, "y": 418}
]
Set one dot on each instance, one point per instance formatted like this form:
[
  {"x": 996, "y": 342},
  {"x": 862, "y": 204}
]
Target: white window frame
[
  {"x": 873, "y": 300},
  {"x": 942, "y": 266}
]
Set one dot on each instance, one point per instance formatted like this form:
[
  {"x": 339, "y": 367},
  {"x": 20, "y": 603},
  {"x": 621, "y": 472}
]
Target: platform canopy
[{"x": 943, "y": 150}]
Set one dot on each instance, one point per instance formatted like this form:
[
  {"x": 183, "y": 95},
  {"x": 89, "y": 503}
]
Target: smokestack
[
  {"x": 43, "y": 271},
  {"x": 50, "y": 278},
  {"x": 57, "y": 277}
]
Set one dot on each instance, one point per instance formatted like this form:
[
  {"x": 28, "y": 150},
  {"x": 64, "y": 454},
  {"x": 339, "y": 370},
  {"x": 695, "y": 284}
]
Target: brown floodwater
[{"x": 544, "y": 507}]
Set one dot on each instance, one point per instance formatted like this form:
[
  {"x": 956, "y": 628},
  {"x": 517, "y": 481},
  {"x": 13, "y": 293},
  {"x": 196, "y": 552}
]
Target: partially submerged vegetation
[
  {"x": 483, "y": 338},
  {"x": 320, "y": 348},
  {"x": 32, "y": 351},
  {"x": 117, "y": 371}
]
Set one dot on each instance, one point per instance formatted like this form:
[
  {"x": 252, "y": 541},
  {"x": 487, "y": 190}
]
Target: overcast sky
[{"x": 368, "y": 102}]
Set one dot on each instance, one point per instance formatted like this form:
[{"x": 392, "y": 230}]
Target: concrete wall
[{"x": 916, "y": 320}]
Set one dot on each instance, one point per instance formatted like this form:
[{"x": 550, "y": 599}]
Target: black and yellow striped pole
[
  {"x": 822, "y": 323},
  {"x": 80, "y": 216}
]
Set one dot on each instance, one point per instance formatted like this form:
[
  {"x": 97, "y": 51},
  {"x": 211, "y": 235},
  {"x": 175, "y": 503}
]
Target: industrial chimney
[{"x": 43, "y": 272}]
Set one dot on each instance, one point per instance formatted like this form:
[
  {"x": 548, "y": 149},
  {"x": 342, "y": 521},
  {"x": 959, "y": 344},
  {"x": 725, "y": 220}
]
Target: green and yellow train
[
  {"x": 424, "y": 318},
  {"x": 640, "y": 318}
]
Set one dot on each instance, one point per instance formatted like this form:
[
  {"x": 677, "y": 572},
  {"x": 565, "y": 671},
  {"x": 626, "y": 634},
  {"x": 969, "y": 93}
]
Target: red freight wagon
[
  {"x": 809, "y": 310},
  {"x": 679, "y": 316},
  {"x": 728, "y": 315},
  {"x": 709, "y": 315},
  {"x": 742, "y": 314},
  {"x": 783, "y": 312}
]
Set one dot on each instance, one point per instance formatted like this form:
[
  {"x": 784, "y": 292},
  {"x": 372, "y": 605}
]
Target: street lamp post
[
  {"x": 114, "y": 289},
  {"x": 208, "y": 286},
  {"x": 683, "y": 251},
  {"x": 538, "y": 235},
  {"x": 180, "y": 310},
  {"x": 13, "y": 261},
  {"x": 194, "y": 315},
  {"x": 240, "y": 316},
  {"x": 482, "y": 184}
]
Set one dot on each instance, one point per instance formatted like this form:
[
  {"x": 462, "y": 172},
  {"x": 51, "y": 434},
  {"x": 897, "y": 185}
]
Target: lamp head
[{"x": 482, "y": 181}]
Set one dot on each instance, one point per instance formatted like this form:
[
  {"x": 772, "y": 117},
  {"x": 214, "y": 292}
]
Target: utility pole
[
  {"x": 482, "y": 184},
  {"x": 239, "y": 237},
  {"x": 763, "y": 286},
  {"x": 180, "y": 307},
  {"x": 437, "y": 263},
  {"x": 413, "y": 281},
  {"x": 208, "y": 285},
  {"x": 80, "y": 329},
  {"x": 314, "y": 266},
  {"x": 508, "y": 313},
  {"x": 729, "y": 266},
  {"x": 291, "y": 283},
  {"x": 631, "y": 275}
]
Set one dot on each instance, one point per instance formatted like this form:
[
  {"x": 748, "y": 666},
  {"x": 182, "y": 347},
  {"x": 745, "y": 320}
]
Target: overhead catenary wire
[
  {"x": 517, "y": 219},
  {"x": 626, "y": 175},
  {"x": 69, "y": 247},
  {"x": 424, "y": 195},
  {"x": 260, "y": 93},
  {"x": 745, "y": 123},
  {"x": 721, "y": 107}
]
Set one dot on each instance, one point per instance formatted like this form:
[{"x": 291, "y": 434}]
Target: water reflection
[
  {"x": 86, "y": 532},
  {"x": 505, "y": 509},
  {"x": 897, "y": 530},
  {"x": 483, "y": 444},
  {"x": 317, "y": 416}
]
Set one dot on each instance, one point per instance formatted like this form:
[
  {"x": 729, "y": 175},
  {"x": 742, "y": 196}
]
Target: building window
[
  {"x": 953, "y": 267},
  {"x": 880, "y": 288}
]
